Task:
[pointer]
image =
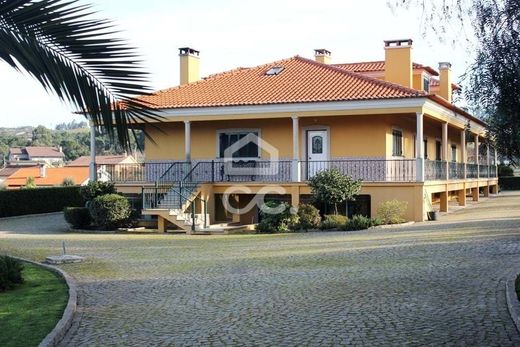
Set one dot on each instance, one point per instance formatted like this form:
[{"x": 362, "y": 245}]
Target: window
[
  {"x": 228, "y": 138},
  {"x": 453, "y": 153},
  {"x": 438, "y": 150},
  {"x": 425, "y": 144},
  {"x": 397, "y": 150},
  {"x": 276, "y": 70},
  {"x": 426, "y": 84},
  {"x": 317, "y": 144}
]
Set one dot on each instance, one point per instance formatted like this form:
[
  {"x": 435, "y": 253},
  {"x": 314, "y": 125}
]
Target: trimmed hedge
[
  {"x": 38, "y": 200},
  {"x": 10, "y": 272},
  {"x": 110, "y": 211},
  {"x": 78, "y": 217},
  {"x": 509, "y": 183}
]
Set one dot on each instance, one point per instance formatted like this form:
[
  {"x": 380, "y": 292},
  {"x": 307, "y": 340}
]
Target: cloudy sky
[{"x": 233, "y": 33}]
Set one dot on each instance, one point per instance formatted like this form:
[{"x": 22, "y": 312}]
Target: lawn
[{"x": 30, "y": 311}]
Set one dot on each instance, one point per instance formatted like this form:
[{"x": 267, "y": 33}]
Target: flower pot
[{"x": 432, "y": 215}]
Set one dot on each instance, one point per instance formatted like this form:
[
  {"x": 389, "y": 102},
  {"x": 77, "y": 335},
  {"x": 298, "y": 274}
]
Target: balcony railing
[
  {"x": 456, "y": 171},
  {"x": 369, "y": 170},
  {"x": 434, "y": 170}
]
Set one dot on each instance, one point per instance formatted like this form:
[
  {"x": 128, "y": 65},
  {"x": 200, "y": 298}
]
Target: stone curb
[
  {"x": 513, "y": 305},
  {"x": 390, "y": 226},
  {"x": 29, "y": 216},
  {"x": 58, "y": 333}
]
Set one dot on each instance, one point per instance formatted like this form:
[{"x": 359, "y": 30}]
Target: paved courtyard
[{"x": 425, "y": 284}]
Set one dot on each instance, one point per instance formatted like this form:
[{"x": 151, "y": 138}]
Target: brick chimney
[
  {"x": 322, "y": 55},
  {"x": 398, "y": 62},
  {"x": 445, "y": 86},
  {"x": 189, "y": 65}
]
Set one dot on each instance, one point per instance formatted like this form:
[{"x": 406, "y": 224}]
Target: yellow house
[{"x": 233, "y": 139}]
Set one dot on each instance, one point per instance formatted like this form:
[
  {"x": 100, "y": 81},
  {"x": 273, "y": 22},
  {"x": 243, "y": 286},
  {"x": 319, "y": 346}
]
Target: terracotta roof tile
[
  {"x": 102, "y": 160},
  {"x": 301, "y": 80},
  {"x": 376, "y": 66},
  {"x": 36, "y": 151},
  {"x": 53, "y": 176}
]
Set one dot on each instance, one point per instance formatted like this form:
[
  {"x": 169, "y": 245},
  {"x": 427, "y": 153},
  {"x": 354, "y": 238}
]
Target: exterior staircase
[{"x": 174, "y": 206}]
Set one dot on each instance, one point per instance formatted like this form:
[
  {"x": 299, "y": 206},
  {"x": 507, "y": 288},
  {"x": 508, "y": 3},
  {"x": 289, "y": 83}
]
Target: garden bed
[{"x": 31, "y": 310}]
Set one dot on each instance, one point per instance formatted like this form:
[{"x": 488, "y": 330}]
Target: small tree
[
  {"x": 95, "y": 189},
  {"x": 68, "y": 182},
  {"x": 333, "y": 187},
  {"x": 29, "y": 183}
]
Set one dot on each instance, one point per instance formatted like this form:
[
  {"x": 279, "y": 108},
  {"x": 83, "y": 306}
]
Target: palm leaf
[{"x": 77, "y": 58}]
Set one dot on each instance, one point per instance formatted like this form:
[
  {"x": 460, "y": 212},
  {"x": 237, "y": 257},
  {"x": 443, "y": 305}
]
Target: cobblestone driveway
[{"x": 426, "y": 284}]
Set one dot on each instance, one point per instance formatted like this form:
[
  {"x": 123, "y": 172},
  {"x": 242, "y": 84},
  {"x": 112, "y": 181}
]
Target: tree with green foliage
[
  {"x": 77, "y": 57},
  {"x": 494, "y": 76},
  {"x": 332, "y": 187},
  {"x": 29, "y": 183}
]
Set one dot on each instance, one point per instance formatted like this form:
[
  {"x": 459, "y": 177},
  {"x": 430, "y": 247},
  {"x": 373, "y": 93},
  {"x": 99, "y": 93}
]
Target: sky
[{"x": 233, "y": 33}]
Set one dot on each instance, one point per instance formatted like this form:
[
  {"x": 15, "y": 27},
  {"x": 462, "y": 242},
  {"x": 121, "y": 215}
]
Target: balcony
[{"x": 369, "y": 170}]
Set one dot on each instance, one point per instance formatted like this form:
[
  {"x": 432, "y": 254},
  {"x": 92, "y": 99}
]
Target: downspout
[{"x": 92, "y": 164}]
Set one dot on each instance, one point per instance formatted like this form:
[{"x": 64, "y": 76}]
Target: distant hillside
[{"x": 25, "y": 131}]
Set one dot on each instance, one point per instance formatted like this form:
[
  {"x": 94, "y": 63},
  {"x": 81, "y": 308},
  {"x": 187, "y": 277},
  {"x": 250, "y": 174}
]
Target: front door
[{"x": 317, "y": 151}]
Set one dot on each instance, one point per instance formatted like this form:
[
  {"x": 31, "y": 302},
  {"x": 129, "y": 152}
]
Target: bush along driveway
[{"x": 428, "y": 283}]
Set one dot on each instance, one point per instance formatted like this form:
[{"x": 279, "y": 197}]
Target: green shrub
[
  {"x": 333, "y": 221},
  {"x": 509, "y": 183},
  {"x": 95, "y": 189},
  {"x": 110, "y": 211},
  {"x": 29, "y": 183},
  {"x": 392, "y": 212},
  {"x": 68, "y": 182},
  {"x": 281, "y": 222},
  {"x": 309, "y": 217},
  {"x": 358, "y": 222},
  {"x": 38, "y": 200},
  {"x": 505, "y": 170},
  {"x": 10, "y": 272},
  {"x": 78, "y": 217},
  {"x": 332, "y": 187}
]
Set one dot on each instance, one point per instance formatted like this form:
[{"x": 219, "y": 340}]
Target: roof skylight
[{"x": 275, "y": 70}]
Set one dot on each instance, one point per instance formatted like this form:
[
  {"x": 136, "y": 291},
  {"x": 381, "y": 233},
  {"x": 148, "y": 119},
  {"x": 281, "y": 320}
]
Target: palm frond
[{"x": 77, "y": 58}]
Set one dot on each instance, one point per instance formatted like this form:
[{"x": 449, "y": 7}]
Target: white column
[
  {"x": 488, "y": 159},
  {"x": 463, "y": 149},
  {"x": 92, "y": 164},
  {"x": 477, "y": 155},
  {"x": 419, "y": 148},
  {"x": 445, "y": 147},
  {"x": 296, "y": 177},
  {"x": 496, "y": 165},
  {"x": 187, "y": 140}
]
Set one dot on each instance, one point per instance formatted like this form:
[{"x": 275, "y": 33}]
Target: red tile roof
[
  {"x": 373, "y": 66},
  {"x": 434, "y": 82},
  {"x": 102, "y": 160},
  {"x": 53, "y": 176},
  {"x": 40, "y": 152},
  {"x": 301, "y": 80},
  {"x": 8, "y": 171}
]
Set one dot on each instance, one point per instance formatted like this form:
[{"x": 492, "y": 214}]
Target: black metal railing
[
  {"x": 175, "y": 172},
  {"x": 456, "y": 171},
  {"x": 493, "y": 171},
  {"x": 484, "y": 171},
  {"x": 368, "y": 170},
  {"x": 471, "y": 171},
  {"x": 434, "y": 170}
]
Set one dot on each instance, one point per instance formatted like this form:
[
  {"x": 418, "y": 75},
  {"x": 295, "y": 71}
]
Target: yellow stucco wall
[
  {"x": 347, "y": 135},
  {"x": 398, "y": 65}
]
